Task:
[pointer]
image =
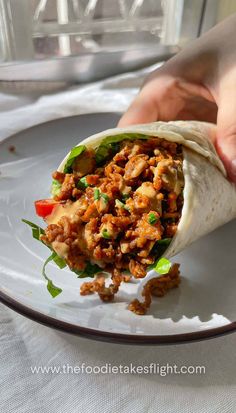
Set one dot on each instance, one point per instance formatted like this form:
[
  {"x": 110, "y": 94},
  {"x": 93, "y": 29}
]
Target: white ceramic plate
[{"x": 204, "y": 306}]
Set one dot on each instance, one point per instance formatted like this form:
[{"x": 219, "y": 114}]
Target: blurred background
[{"x": 76, "y": 41}]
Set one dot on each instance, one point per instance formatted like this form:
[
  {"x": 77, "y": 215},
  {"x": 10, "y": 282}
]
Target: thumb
[{"x": 226, "y": 130}]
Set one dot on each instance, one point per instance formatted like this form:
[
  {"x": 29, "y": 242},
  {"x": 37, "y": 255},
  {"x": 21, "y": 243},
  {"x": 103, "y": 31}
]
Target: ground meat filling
[{"x": 123, "y": 208}]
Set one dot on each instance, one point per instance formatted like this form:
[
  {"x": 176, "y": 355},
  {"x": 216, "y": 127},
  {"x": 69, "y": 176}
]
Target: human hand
[{"x": 199, "y": 83}]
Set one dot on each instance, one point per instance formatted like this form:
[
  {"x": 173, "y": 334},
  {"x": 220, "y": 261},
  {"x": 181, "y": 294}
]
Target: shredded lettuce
[
  {"x": 164, "y": 241},
  {"x": 74, "y": 153},
  {"x": 37, "y": 232},
  {"x": 89, "y": 271},
  {"x": 162, "y": 266},
  {"x": 102, "y": 154},
  {"x": 55, "y": 188},
  {"x": 52, "y": 288},
  {"x": 123, "y": 136},
  {"x": 59, "y": 261},
  {"x": 159, "y": 249},
  {"x": 110, "y": 145}
]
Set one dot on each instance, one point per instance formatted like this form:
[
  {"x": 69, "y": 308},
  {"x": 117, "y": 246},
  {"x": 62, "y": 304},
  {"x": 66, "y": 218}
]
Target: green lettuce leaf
[
  {"x": 110, "y": 145},
  {"x": 52, "y": 289},
  {"x": 123, "y": 136},
  {"x": 102, "y": 153},
  {"x": 74, "y": 153},
  {"x": 36, "y": 232},
  {"x": 89, "y": 271},
  {"x": 159, "y": 249},
  {"x": 59, "y": 261},
  {"x": 164, "y": 241},
  {"x": 162, "y": 266}
]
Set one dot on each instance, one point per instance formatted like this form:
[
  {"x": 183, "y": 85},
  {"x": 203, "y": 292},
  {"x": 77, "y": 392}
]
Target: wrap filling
[{"x": 116, "y": 208}]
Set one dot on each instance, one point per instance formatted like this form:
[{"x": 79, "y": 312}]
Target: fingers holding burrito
[
  {"x": 165, "y": 97},
  {"x": 198, "y": 83},
  {"x": 226, "y": 124}
]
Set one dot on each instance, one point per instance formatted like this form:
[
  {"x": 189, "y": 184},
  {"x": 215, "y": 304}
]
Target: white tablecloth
[{"x": 24, "y": 343}]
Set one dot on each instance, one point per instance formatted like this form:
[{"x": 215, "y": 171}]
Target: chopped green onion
[
  {"x": 74, "y": 153},
  {"x": 82, "y": 184},
  {"x": 96, "y": 194},
  {"x": 105, "y": 197},
  {"x": 152, "y": 218},
  {"x": 106, "y": 234},
  {"x": 120, "y": 204}
]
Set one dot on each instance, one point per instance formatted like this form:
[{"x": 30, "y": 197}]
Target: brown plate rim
[{"x": 114, "y": 337}]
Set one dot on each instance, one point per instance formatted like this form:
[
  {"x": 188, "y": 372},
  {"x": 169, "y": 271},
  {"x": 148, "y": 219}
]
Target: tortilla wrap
[{"x": 209, "y": 198}]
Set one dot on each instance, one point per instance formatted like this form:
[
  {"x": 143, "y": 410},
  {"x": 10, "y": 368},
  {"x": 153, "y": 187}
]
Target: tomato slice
[{"x": 44, "y": 207}]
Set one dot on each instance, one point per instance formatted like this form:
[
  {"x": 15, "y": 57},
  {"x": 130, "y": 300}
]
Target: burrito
[{"x": 125, "y": 201}]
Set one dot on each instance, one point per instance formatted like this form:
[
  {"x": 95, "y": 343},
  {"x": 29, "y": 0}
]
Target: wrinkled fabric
[{"x": 25, "y": 344}]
